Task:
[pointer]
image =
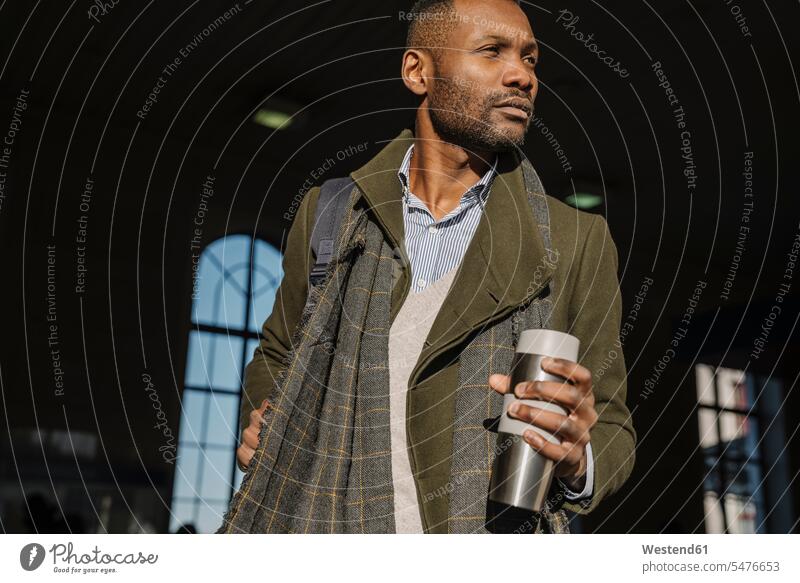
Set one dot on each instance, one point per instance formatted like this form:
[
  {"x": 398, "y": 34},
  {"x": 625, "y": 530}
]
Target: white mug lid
[{"x": 549, "y": 343}]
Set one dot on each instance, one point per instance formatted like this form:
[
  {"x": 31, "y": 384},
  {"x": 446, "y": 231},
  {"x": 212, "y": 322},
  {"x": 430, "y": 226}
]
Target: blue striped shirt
[{"x": 435, "y": 247}]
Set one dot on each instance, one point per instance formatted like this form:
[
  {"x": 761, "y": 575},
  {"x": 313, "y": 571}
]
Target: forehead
[{"x": 499, "y": 20}]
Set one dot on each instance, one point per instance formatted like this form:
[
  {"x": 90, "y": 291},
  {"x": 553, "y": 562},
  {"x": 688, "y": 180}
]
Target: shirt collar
[{"x": 479, "y": 191}]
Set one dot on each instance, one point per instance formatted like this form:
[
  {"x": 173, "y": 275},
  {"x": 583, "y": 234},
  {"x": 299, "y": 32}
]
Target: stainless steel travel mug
[{"x": 521, "y": 477}]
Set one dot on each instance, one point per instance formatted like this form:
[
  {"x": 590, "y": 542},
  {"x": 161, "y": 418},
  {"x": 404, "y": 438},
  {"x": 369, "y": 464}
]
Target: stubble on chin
[{"x": 457, "y": 119}]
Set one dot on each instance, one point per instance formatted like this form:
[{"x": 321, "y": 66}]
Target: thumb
[
  {"x": 257, "y": 415},
  {"x": 500, "y": 383},
  {"x": 264, "y": 406}
]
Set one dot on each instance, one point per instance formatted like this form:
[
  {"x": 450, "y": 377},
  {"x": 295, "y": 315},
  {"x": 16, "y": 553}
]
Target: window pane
[
  {"x": 209, "y": 279},
  {"x": 707, "y": 418},
  {"x": 209, "y": 517},
  {"x": 741, "y": 514},
  {"x": 222, "y": 286},
  {"x": 192, "y": 417},
  {"x": 715, "y": 521},
  {"x": 732, "y": 389},
  {"x": 237, "y": 479},
  {"x": 252, "y": 344},
  {"x": 731, "y": 384},
  {"x": 186, "y": 472},
  {"x": 221, "y": 428},
  {"x": 732, "y": 426},
  {"x": 217, "y": 471},
  {"x": 227, "y": 355},
  {"x": 267, "y": 275},
  {"x": 182, "y": 513},
  {"x": 704, "y": 377},
  {"x": 198, "y": 360},
  {"x": 214, "y": 360}
]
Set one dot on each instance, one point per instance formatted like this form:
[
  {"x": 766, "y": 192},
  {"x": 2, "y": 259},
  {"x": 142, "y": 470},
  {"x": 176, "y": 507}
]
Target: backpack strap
[{"x": 333, "y": 197}]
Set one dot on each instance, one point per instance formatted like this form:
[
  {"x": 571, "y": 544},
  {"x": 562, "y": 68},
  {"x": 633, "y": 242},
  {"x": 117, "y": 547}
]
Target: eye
[
  {"x": 492, "y": 49},
  {"x": 531, "y": 60}
]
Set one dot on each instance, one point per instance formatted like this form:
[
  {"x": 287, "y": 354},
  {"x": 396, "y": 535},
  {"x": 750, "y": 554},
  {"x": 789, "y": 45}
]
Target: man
[{"x": 375, "y": 393}]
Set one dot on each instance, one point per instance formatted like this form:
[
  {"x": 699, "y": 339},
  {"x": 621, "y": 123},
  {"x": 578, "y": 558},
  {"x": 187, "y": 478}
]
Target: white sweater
[{"x": 406, "y": 337}]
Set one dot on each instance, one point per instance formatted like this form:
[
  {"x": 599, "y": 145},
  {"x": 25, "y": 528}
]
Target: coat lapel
[
  {"x": 504, "y": 265},
  {"x": 377, "y": 179}
]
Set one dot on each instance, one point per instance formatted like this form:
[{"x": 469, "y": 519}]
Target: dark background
[{"x": 339, "y": 61}]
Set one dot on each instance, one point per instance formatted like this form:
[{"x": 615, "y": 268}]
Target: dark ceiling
[{"x": 339, "y": 62}]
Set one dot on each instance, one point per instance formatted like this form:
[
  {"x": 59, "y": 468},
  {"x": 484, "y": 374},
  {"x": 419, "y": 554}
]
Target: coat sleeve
[
  {"x": 271, "y": 353},
  {"x": 595, "y": 311}
]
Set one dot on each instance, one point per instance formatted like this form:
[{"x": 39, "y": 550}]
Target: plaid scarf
[{"x": 323, "y": 463}]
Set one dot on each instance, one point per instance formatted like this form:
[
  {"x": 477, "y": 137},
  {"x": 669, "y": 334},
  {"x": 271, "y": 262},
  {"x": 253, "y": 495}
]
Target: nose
[{"x": 518, "y": 74}]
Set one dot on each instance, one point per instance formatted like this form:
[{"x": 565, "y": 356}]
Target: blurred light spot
[
  {"x": 271, "y": 118},
  {"x": 584, "y": 200}
]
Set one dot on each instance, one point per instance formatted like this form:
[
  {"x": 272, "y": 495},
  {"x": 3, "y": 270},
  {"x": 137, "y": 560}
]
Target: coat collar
[{"x": 505, "y": 263}]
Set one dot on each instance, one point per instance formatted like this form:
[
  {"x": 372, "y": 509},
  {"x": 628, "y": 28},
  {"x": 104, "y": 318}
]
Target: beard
[{"x": 464, "y": 117}]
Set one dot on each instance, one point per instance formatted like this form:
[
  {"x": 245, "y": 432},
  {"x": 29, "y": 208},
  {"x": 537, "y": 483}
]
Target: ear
[{"x": 417, "y": 69}]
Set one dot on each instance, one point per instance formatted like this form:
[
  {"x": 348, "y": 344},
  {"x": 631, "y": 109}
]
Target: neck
[{"x": 440, "y": 171}]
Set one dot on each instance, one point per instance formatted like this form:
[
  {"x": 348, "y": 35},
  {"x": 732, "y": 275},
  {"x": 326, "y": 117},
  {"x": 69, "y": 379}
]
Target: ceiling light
[
  {"x": 272, "y": 118},
  {"x": 584, "y": 200}
]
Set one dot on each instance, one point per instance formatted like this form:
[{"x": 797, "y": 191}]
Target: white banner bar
[{"x": 348, "y": 558}]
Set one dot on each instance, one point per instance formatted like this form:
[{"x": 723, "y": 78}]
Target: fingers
[
  {"x": 250, "y": 436},
  {"x": 500, "y": 383},
  {"x": 575, "y": 394},
  {"x": 564, "y": 394},
  {"x": 568, "y": 428},
  {"x": 572, "y": 371},
  {"x": 257, "y": 415},
  {"x": 244, "y": 455},
  {"x": 566, "y": 454},
  {"x": 245, "y": 452}
]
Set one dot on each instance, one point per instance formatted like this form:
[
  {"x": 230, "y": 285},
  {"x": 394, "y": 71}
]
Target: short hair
[
  {"x": 430, "y": 26},
  {"x": 431, "y": 22}
]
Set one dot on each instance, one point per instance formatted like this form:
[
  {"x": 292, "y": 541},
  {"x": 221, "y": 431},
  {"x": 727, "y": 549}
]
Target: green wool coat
[{"x": 504, "y": 265}]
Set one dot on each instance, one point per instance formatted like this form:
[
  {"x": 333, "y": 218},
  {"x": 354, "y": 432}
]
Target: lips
[{"x": 520, "y": 108}]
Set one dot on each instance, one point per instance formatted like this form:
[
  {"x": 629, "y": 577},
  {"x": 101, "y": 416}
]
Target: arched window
[{"x": 234, "y": 292}]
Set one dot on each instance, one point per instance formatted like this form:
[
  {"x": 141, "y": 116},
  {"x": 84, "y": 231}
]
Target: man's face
[{"x": 482, "y": 96}]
